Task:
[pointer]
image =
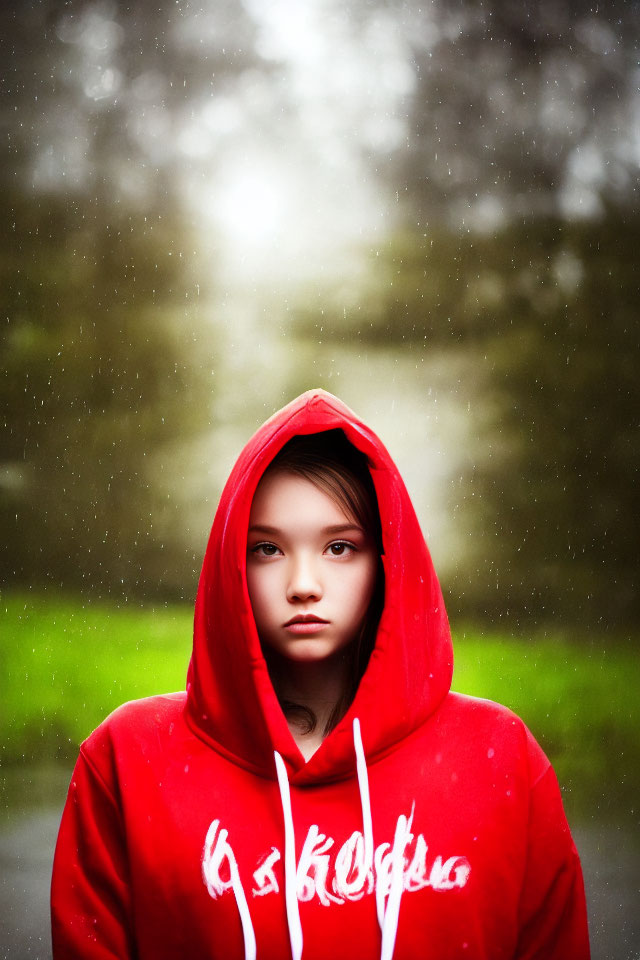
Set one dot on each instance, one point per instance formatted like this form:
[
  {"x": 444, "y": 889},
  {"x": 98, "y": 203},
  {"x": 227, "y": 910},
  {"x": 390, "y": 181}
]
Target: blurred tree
[
  {"x": 94, "y": 92},
  {"x": 546, "y": 314},
  {"x": 100, "y": 373},
  {"x": 518, "y": 110},
  {"x": 560, "y": 502},
  {"x": 106, "y": 365}
]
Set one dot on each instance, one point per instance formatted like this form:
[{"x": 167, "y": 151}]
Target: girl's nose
[{"x": 304, "y": 582}]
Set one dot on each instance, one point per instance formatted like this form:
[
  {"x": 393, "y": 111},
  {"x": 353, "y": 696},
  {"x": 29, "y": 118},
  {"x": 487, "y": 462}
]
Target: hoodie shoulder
[
  {"x": 137, "y": 725},
  {"x": 137, "y": 714},
  {"x": 491, "y": 726}
]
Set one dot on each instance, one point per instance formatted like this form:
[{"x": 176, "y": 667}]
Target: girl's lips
[{"x": 305, "y": 625}]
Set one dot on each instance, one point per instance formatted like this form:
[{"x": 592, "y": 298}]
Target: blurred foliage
[
  {"x": 518, "y": 109},
  {"x": 100, "y": 374},
  {"x": 549, "y": 308},
  {"x": 575, "y": 700},
  {"x": 106, "y": 364},
  {"x": 94, "y": 92}
]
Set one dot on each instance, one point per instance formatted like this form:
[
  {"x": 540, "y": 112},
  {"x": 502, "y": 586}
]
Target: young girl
[{"x": 318, "y": 791}]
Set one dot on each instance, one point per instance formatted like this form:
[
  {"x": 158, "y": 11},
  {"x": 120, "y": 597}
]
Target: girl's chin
[{"x": 307, "y": 650}]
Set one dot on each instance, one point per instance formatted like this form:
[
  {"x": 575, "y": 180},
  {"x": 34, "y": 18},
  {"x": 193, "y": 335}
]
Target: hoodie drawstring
[
  {"x": 365, "y": 800},
  {"x": 391, "y": 912},
  {"x": 290, "y": 872},
  {"x": 216, "y": 840},
  {"x": 387, "y": 917},
  {"x": 245, "y": 917}
]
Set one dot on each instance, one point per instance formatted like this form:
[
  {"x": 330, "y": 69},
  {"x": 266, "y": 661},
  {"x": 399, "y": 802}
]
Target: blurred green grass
[
  {"x": 66, "y": 663},
  {"x": 579, "y": 696}
]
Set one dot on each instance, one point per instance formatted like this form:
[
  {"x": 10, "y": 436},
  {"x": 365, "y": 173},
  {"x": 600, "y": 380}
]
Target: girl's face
[{"x": 311, "y": 570}]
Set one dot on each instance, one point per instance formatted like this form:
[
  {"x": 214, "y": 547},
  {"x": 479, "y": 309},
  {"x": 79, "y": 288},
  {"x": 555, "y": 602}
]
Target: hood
[{"x": 231, "y": 703}]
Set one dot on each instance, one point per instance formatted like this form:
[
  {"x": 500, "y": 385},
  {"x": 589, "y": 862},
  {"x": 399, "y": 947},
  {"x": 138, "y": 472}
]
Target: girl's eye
[
  {"x": 340, "y": 548},
  {"x": 265, "y": 549}
]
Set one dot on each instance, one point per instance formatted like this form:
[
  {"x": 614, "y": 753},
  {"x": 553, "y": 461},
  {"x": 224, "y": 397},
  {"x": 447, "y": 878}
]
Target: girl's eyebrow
[
  {"x": 342, "y": 528},
  {"x": 335, "y": 528}
]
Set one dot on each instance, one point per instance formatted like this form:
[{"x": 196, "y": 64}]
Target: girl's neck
[{"x": 318, "y": 687}]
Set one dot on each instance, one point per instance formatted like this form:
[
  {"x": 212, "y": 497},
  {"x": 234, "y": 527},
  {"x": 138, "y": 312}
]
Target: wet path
[
  {"x": 610, "y": 857},
  {"x": 26, "y": 852}
]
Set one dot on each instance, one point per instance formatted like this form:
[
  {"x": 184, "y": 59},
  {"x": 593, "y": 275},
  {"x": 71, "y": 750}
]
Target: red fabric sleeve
[
  {"x": 90, "y": 892},
  {"x": 553, "y": 916}
]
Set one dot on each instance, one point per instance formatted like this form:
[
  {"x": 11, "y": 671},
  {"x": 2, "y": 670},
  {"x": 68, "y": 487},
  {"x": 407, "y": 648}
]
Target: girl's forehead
[{"x": 287, "y": 499}]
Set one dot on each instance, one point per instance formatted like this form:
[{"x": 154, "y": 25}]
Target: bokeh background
[{"x": 430, "y": 209}]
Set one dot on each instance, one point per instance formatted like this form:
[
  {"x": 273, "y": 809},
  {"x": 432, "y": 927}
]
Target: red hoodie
[{"x": 427, "y": 825}]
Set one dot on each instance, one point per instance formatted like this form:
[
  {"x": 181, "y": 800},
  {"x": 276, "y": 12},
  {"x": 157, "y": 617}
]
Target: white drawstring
[
  {"x": 211, "y": 874},
  {"x": 391, "y": 914},
  {"x": 387, "y": 916},
  {"x": 245, "y": 917},
  {"x": 396, "y": 888},
  {"x": 365, "y": 800},
  {"x": 388, "y": 913},
  {"x": 290, "y": 871}
]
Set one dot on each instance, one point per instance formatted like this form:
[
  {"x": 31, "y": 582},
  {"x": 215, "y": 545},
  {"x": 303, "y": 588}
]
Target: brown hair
[{"x": 335, "y": 466}]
